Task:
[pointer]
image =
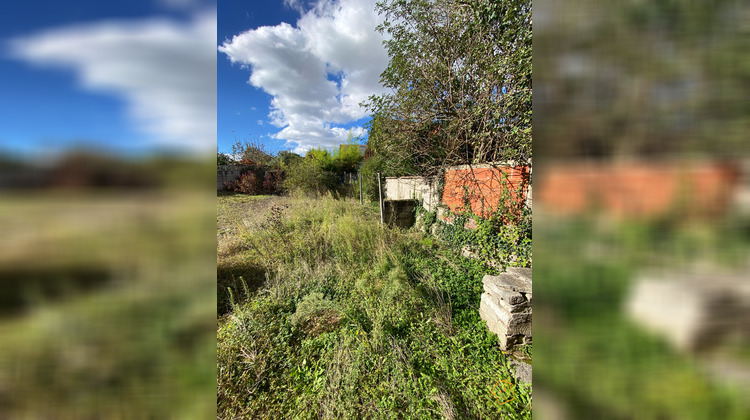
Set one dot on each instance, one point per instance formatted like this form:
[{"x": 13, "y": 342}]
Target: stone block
[
  {"x": 521, "y": 272},
  {"x": 691, "y": 311},
  {"x": 508, "y": 341},
  {"x": 503, "y": 322},
  {"x": 509, "y": 281},
  {"x": 521, "y": 371},
  {"x": 513, "y": 298},
  {"x": 520, "y": 325},
  {"x": 505, "y": 307}
]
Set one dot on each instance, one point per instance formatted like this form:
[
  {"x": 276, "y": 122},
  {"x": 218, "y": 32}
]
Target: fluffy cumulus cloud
[
  {"x": 164, "y": 69},
  {"x": 317, "y": 71}
]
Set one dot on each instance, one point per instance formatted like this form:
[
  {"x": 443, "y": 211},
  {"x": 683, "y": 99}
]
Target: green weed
[{"x": 357, "y": 320}]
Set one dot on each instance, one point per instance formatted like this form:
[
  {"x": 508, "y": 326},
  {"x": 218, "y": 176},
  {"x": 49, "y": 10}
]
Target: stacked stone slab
[
  {"x": 506, "y": 306},
  {"x": 694, "y": 311}
]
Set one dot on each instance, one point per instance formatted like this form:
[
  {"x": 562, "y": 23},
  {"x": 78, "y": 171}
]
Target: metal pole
[
  {"x": 360, "y": 187},
  {"x": 380, "y": 199}
]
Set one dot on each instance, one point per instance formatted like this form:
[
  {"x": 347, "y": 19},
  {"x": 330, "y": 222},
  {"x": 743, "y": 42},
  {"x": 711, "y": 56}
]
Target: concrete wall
[
  {"x": 412, "y": 188},
  {"x": 226, "y": 174},
  {"x": 483, "y": 185},
  {"x": 399, "y": 213}
]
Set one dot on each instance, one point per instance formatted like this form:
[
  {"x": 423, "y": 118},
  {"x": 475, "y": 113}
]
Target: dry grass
[
  {"x": 353, "y": 319},
  {"x": 137, "y": 342}
]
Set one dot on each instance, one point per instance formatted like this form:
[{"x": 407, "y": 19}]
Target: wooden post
[
  {"x": 380, "y": 199},
  {"x": 360, "y": 187}
]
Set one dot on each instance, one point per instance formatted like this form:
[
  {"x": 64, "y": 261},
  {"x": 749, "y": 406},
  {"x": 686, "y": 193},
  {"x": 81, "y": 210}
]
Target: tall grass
[
  {"x": 355, "y": 320},
  {"x": 590, "y": 353},
  {"x": 140, "y": 342}
]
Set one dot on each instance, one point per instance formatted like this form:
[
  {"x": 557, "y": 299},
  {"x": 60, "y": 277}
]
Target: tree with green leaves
[
  {"x": 460, "y": 75},
  {"x": 223, "y": 159},
  {"x": 251, "y": 152},
  {"x": 640, "y": 79}
]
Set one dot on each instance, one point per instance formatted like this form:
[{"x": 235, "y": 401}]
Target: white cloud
[
  {"x": 293, "y": 65},
  {"x": 164, "y": 70},
  {"x": 297, "y": 5}
]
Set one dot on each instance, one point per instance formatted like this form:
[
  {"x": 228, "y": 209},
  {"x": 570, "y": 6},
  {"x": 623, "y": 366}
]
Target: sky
[
  {"x": 123, "y": 76},
  {"x": 145, "y": 75},
  {"x": 291, "y": 74}
]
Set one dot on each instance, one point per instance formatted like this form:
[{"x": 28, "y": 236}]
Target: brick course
[{"x": 483, "y": 186}]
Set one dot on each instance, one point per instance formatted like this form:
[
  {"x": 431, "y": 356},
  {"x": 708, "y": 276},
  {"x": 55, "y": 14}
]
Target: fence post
[
  {"x": 380, "y": 199},
  {"x": 360, "y": 187}
]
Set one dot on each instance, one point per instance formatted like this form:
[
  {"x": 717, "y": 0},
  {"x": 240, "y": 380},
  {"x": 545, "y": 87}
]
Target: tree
[
  {"x": 642, "y": 79},
  {"x": 251, "y": 152},
  {"x": 460, "y": 72},
  {"x": 285, "y": 159},
  {"x": 348, "y": 155},
  {"x": 222, "y": 158}
]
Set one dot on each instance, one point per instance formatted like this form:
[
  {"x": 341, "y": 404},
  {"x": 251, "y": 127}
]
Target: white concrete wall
[{"x": 412, "y": 188}]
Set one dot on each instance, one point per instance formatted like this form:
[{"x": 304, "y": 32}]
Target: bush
[
  {"x": 247, "y": 183},
  {"x": 493, "y": 240},
  {"x": 272, "y": 182},
  {"x": 369, "y": 171},
  {"x": 309, "y": 177}
]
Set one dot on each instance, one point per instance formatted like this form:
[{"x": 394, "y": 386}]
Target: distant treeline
[
  {"x": 319, "y": 171},
  {"x": 84, "y": 169}
]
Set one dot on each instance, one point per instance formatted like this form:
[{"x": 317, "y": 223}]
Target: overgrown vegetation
[
  {"x": 137, "y": 340},
  {"x": 318, "y": 172},
  {"x": 353, "y": 320},
  {"x": 585, "y": 270},
  {"x": 460, "y": 80},
  {"x": 492, "y": 240}
]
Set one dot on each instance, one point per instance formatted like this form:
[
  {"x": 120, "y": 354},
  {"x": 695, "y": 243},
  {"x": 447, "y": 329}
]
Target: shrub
[
  {"x": 369, "y": 171},
  {"x": 272, "y": 182},
  {"x": 247, "y": 183},
  {"x": 309, "y": 177}
]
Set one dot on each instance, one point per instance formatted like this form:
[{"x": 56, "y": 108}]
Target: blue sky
[
  {"x": 126, "y": 76},
  {"x": 146, "y": 74},
  {"x": 291, "y": 73}
]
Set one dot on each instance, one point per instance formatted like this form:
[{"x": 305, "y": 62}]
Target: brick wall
[
  {"x": 483, "y": 185},
  {"x": 638, "y": 190}
]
